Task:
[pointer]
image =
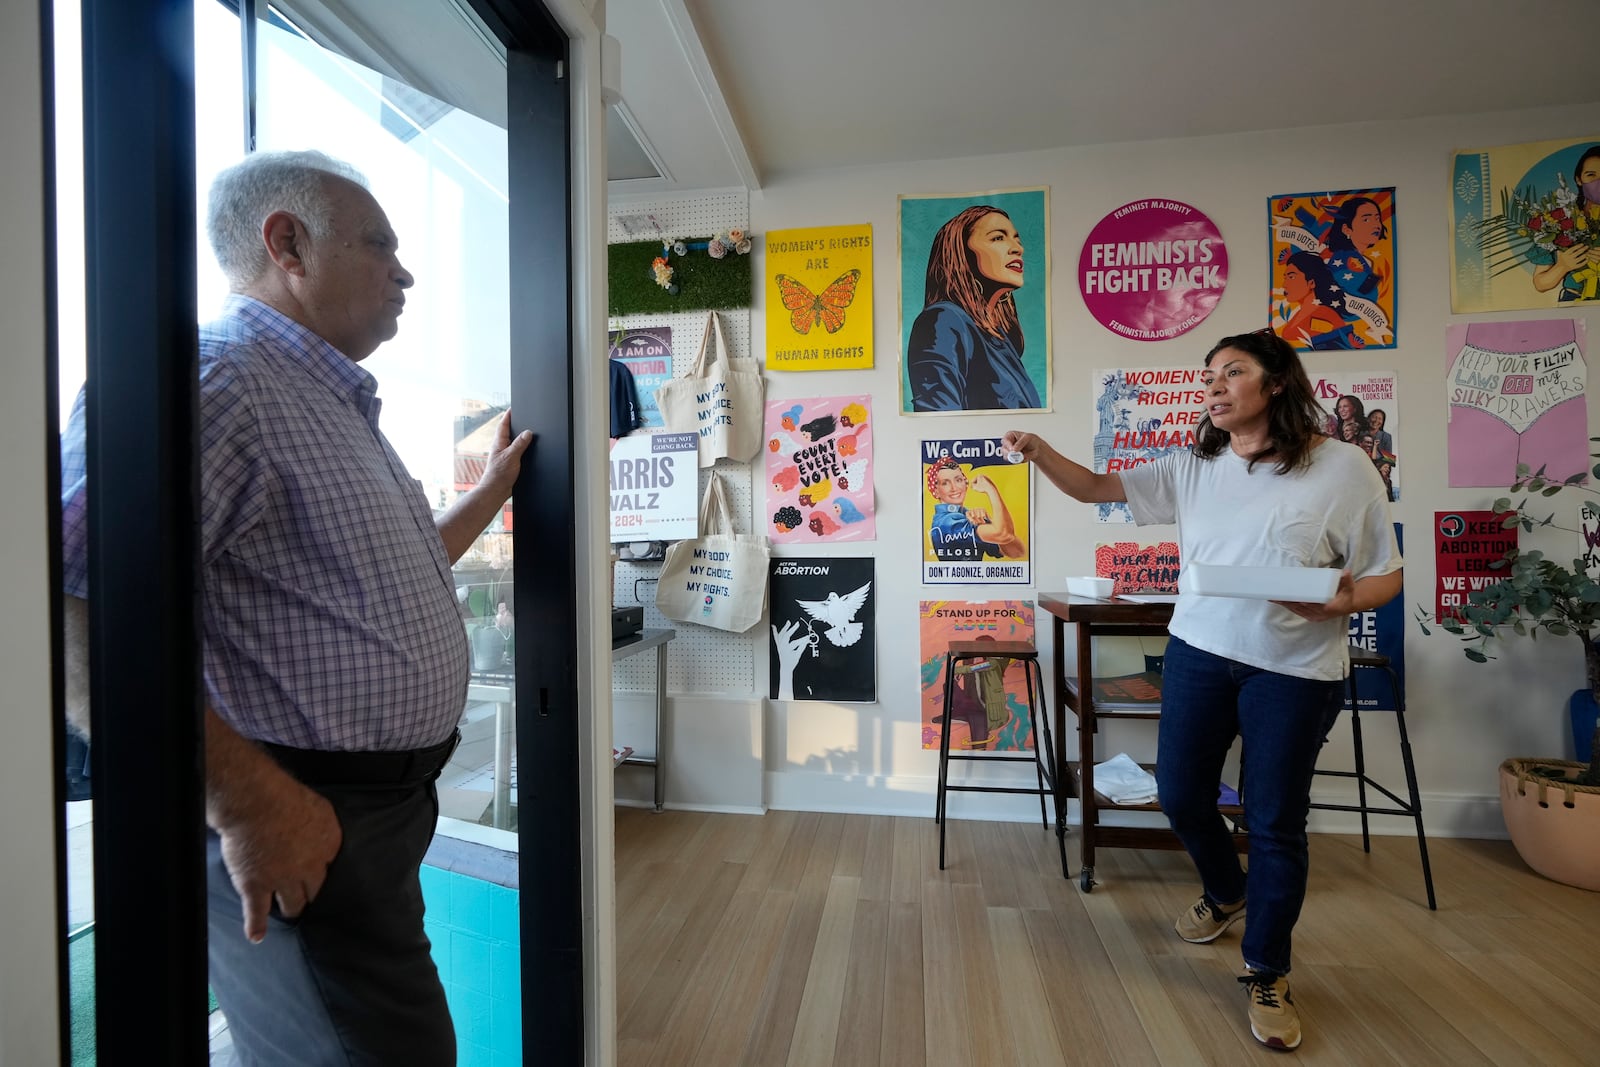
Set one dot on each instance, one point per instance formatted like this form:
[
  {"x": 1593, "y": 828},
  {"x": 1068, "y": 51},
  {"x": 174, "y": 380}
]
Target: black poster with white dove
[{"x": 824, "y": 632}]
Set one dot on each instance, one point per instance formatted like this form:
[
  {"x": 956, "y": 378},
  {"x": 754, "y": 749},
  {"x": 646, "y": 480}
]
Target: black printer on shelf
[{"x": 626, "y": 623}]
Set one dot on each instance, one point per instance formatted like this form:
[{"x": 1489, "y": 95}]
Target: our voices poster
[
  {"x": 1333, "y": 269},
  {"x": 1465, "y": 543},
  {"x": 819, "y": 470},
  {"x": 1141, "y": 414},
  {"x": 824, "y": 629},
  {"x": 977, "y": 514},
  {"x": 990, "y": 709}
]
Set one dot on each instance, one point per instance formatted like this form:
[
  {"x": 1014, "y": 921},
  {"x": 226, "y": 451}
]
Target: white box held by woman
[{"x": 1308, "y": 585}]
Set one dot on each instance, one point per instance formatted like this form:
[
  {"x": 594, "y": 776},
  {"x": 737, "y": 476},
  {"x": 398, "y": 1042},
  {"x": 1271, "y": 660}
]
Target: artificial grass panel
[{"x": 703, "y": 283}]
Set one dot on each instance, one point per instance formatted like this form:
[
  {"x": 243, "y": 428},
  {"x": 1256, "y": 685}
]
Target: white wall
[
  {"x": 1464, "y": 718},
  {"x": 32, "y": 926}
]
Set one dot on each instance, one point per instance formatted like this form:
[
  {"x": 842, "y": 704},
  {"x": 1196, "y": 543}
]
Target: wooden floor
[{"x": 797, "y": 938}]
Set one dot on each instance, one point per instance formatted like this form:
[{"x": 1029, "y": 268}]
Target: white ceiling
[{"x": 748, "y": 92}]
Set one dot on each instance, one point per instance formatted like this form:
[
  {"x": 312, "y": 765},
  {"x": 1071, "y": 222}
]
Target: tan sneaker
[
  {"x": 1206, "y": 921},
  {"x": 1273, "y": 1019}
]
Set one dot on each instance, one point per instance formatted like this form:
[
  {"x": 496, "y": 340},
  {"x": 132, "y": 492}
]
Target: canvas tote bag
[
  {"x": 719, "y": 579},
  {"x": 721, "y": 400}
]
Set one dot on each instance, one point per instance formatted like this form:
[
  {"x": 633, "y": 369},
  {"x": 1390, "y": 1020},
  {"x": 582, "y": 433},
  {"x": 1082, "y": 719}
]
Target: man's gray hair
[{"x": 246, "y": 193}]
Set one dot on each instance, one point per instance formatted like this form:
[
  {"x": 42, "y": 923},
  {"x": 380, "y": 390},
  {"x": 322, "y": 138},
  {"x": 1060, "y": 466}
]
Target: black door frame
[
  {"x": 148, "y": 760},
  {"x": 148, "y": 754},
  {"x": 544, "y": 558}
]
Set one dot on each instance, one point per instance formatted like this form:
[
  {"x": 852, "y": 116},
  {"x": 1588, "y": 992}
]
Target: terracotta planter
[{"x": 1554, "y": 824}]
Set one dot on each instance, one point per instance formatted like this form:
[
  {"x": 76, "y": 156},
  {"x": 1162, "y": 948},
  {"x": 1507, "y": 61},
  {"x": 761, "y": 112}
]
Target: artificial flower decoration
[
  {"x": 662, "y": 272},
  {"x": 715, "y": 248}
]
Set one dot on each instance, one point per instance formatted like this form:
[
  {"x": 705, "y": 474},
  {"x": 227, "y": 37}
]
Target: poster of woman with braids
[{"x": 1333, "y": 269}]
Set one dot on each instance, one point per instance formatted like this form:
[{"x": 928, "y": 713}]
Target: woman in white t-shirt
[{"x": 1262, "y": 486}]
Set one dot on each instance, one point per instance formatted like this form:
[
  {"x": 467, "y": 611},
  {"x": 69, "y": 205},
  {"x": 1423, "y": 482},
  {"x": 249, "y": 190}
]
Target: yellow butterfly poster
[{"x": 819, "y": 298}]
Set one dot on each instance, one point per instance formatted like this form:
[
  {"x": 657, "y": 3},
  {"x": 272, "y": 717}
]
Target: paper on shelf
[{"x": 1122, "y": 781}]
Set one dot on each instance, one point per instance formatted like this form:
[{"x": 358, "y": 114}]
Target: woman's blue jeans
[{"x": 1207, "y": 701}]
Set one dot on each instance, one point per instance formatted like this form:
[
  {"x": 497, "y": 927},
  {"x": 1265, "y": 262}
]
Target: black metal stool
[
  {"x": 1364, "y": 659},
  {"x": 960, "y": 651}
]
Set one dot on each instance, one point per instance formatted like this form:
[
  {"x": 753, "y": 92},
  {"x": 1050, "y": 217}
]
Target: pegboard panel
[
  {"x": 697, "y": 217},
  {"x": 700, "y": 659}
]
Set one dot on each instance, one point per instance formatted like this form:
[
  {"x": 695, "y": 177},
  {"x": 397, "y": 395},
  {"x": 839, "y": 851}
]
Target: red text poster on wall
[
  {"x": 1464, "y": 544},
  {"x": 1137, "y": 568},
  {"x": 1153, "y": 269}
]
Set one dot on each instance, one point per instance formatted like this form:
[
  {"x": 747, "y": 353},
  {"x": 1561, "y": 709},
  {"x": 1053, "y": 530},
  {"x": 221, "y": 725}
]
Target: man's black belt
[{"x": 372, "y": 770}]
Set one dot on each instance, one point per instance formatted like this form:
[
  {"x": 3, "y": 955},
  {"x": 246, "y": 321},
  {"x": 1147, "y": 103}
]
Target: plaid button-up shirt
[{"x": 330, "y": 610}]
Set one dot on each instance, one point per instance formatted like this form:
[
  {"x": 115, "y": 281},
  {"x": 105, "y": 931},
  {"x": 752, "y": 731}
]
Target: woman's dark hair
[
  {"x": 953, "y": 276},
  {"x": 1376, "y": 412},
  {"x": 1344, "y": 215},
  {"x": 1320, "y": 276},
  {"x": 1294, "y": 418},
  {"x": 1577, "y": 169}
]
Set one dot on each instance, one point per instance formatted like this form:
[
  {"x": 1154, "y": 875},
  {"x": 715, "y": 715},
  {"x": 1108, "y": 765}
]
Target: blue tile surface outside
[
  {"x": 435, "y": 886},
  {"x": 439, "y": 937},
  {"x": 505, "y": 1024},
  {"x": 469, "y": 904},
  {"x": 503, "y": 911},
  {"x": 471, "y": 959},
  {"x": 473, "y": 927},
  {"x": 505, "y": 973}
]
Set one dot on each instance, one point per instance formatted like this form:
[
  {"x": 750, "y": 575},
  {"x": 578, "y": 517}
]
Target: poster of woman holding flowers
[
  {"x": 1573, "y": 266},
  {"x": 1526, "y": 226}
]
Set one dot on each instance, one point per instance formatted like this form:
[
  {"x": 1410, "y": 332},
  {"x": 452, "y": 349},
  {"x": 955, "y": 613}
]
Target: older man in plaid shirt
[{"x": 336, "y": 662}]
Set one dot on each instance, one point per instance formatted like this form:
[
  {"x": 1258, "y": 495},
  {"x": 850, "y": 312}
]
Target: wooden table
[{"x": 1092, "y": 618}]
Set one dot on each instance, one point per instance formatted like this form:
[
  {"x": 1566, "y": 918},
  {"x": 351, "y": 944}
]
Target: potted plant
[{"x": 1551, "y": 807}]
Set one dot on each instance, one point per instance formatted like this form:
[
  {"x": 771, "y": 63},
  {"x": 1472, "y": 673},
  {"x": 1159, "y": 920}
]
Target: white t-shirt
[{"x": 1333, "y": 512}]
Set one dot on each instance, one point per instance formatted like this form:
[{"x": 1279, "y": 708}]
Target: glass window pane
[{"x": 440, "y": 175}]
